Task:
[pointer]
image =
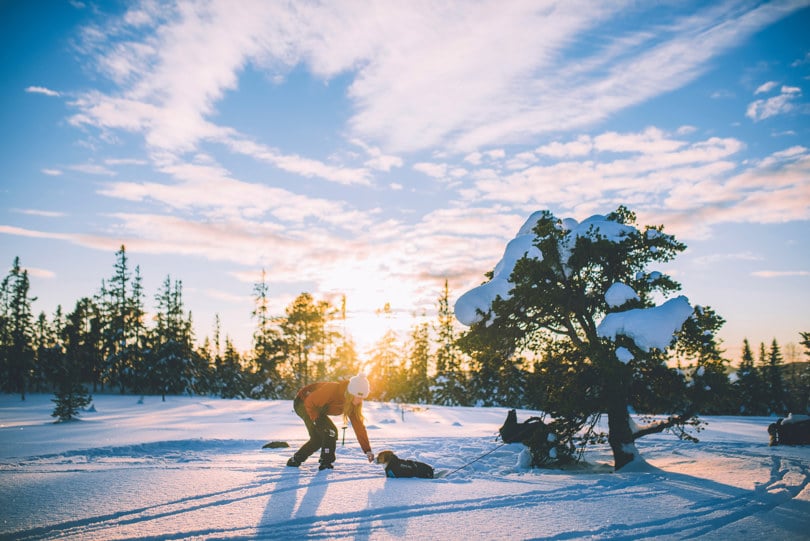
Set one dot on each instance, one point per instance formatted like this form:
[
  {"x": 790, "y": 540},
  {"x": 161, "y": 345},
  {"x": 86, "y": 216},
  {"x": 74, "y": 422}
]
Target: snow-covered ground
[{"x": 194, "y": 468}]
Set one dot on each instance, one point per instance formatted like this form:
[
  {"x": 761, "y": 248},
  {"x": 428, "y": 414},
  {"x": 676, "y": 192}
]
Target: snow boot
[{"x": 293, "y": 463}]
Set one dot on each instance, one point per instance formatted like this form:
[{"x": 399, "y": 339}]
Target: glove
[{"x": 370, "y": 456}]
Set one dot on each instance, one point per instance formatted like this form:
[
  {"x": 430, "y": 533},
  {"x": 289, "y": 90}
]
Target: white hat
[{"x": 358, "y": 386}]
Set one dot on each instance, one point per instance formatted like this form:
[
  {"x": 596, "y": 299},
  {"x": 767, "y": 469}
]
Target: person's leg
[
  {"x": 328, "y": 443},
  {"x": 315, "y": 436}
]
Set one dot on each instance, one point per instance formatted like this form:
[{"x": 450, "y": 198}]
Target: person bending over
[{"x": 316, "y": 402}]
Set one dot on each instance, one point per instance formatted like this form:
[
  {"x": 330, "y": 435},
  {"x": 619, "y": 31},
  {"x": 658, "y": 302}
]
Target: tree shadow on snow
[{"x": 704, "y": 507}]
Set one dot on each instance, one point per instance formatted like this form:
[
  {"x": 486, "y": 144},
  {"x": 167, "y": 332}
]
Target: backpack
[{"x": 514, "y": 432}]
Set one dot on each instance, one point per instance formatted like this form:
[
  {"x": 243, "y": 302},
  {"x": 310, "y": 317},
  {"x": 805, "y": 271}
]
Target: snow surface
[{"x": 193, "y": 468}]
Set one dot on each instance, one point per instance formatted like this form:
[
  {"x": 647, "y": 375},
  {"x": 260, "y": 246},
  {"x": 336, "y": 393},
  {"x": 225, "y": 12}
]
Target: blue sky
[{"x": 375, "y": 149}]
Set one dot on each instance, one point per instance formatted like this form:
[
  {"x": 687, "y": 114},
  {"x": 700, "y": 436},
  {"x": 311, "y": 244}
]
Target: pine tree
[
  {"x": 5, "y": 336},
  {"x": 344, "y": 362},
  {"x": 302, "y": 329},
  {"x": 386, "y": 375},
  {"x": 17, "y": 332},
  {"x": 450, "y": 385},
  {"x": 80, "y": 335},
  {"x": 70, "y": 396},
  {"x": 116, "y": 308},
  {"x": 70, "y": 400},
  {"x": 137, "y": 337},
  {"x": 773, "y": 380},
  {"x": 48, "y": 349},
  {"x": 171, "y": 361},
  {"x": 558, "y": 297},
  {"x": 710, "y": 389},
  {"x": 230, "y": 374},
  {"x": 418, "y": 384},
  {"x": 268, "y": 348},
  {"x": 749, "y": 384}
]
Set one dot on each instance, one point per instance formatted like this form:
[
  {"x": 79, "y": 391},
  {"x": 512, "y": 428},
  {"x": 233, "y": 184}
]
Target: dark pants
[{"x": 323, "y": 436}]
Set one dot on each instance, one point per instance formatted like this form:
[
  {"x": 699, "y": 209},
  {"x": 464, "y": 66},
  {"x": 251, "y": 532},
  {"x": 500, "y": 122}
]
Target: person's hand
[{"x": 370, "y": 456}]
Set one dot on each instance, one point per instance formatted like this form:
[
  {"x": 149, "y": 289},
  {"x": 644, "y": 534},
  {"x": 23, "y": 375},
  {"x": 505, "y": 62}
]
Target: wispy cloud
[
  {"x": 302, "y": 166},
  {"x": 776, "y": 105},
  {"x": 737, "y": 256},
  {"x": 764, "y": 88},
  {"x": 43, "y": 213},
  {"x": 92, "y": 169},
  {"x": 42, "y": 90},
  {"x": 690, "y": 185},
  {"x": 212, "y": 190},
  {"x": 413, "y": 86},
  {"x": 779, "y": 274}
]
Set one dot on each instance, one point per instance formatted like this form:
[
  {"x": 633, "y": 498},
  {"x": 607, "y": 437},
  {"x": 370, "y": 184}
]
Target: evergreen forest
[{"x": 105, "y": 344}]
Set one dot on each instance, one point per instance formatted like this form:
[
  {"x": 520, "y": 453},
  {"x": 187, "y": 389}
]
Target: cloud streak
[
  {"x": 42, "y": 90},
  {"x": 423, "y": 75}
]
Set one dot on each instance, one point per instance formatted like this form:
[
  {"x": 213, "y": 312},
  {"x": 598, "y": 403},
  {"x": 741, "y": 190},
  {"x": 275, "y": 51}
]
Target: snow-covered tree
[
  {"x": 172, "y": 362},
  {"x": 584, "y": 291}
]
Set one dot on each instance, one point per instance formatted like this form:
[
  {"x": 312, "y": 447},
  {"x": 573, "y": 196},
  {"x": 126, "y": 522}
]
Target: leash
[{"x": 477, "y": 459}]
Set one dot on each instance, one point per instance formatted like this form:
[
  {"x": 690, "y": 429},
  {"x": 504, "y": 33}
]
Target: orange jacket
[{"x": 327, "y": 398}]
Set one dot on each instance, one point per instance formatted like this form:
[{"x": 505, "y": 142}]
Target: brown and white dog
[{"x": 396, "y": 467}]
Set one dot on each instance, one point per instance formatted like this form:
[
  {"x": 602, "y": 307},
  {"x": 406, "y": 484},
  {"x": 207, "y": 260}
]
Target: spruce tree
[
  {"x": 774, "y": 382},
  {"x": 385, "y": 374},
  {"x": 116, "y": 307},
  {"x": 70, "y": 400},
  {"x": 709, "y": 388},
  {"x": 171, "y": 360},
  {"x": 17, "y": 329},
  {"x": 749, "y": 384},
  {"x": 231, "y": 374},
  {"x": 450, "y": 384},
  {"x": 419, "y": 358},
  {"x": 302, "y": 329},
  {"x": 268, "y": 347}
]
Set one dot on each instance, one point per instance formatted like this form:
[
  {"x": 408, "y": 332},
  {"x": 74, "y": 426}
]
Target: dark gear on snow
[
  {"x": 793, "y": 430},
  {"x": 514, "y": 432},
  {"x": 398, "y": 467}
]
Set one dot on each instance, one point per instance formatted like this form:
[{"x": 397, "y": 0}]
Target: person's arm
[{"x": 362, "y": 436}]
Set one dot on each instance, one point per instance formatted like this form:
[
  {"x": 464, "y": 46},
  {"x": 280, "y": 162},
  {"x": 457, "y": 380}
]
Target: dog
[{"x": 396, "y": 467}]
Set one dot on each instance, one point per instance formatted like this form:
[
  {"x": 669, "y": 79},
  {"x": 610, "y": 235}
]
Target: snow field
[{"x": 193, "y": 468}]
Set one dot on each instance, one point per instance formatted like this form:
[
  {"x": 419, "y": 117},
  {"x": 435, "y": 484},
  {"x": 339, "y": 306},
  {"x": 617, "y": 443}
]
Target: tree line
[{"x": 105, "y": 344}]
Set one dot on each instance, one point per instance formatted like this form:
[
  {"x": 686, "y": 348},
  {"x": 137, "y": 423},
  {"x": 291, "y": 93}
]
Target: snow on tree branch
[{"x": 648, "y": 327}]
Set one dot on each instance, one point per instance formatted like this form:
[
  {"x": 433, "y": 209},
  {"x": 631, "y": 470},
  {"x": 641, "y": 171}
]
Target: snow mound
[{"x": 648, "y": 327}]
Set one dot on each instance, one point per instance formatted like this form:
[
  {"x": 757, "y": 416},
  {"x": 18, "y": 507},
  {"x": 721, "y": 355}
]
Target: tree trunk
[{"x": 620, "y": 436}]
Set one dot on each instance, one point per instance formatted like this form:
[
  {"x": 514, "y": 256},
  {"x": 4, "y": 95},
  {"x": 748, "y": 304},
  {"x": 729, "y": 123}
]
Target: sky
[{"x": 377, "y": 149}]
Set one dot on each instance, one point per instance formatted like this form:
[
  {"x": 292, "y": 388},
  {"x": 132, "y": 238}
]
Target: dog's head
[{"x": 384, "y": 457}]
